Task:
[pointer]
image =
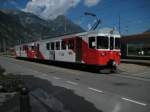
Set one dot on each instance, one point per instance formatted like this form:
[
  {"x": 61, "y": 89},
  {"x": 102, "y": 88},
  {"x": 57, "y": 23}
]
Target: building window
[{"x": 92, "y": 44}]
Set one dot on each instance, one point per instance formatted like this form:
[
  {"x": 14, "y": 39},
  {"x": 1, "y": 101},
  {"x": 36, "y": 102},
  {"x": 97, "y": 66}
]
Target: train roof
[
  {"x": 100, "y": 32},
  {"x": 103, "y": 31}
]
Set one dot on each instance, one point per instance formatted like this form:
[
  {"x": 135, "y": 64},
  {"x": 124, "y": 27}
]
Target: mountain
[
  {"x": 40, "y": 27},
  {"x": 11, "y": 31},
  {"x": 18, "y": 26}
]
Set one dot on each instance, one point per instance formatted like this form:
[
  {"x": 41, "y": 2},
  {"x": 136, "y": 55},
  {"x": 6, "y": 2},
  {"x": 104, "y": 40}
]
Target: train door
[
  {"x": 20, "y": 51},
  {"x": 52, "y": 51},
  {"x": 38, "y": 51},
  {"x": 111, "y": 43},
  {"x": 79, "y": 49}
]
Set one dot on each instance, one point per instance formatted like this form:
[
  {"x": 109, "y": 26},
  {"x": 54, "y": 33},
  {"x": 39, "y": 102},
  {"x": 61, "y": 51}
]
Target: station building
[{"x": 136, "y": 45}]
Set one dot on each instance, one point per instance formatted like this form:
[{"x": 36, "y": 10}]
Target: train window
[
  {"x": 92, "y": 42},
  {"x": 25, "y": 47},
  {"x": 38, "y": 46},
  {"x": 52, "y": 45},
  {"x": 71, "y": 44},
  {"x": 63, "y": 45},
  {"x": 17, "y": 48},
  {"x": 57, "y": 45},
  {"x": 111, "y": 43},
  {"x": 117, "y": 43},
  {"x": 48, "y": 46},
  {"x": 102, "y": 42}
]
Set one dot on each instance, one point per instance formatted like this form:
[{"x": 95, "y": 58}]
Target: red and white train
[{"x": 97, "y": 48}]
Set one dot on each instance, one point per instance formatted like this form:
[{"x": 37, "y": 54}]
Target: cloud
[
  {"x": 91, "y": 3},
  {"x": 50, "y": 9}
]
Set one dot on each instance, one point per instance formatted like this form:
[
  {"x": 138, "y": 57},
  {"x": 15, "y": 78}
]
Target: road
[{"x": 68, "y": 90}]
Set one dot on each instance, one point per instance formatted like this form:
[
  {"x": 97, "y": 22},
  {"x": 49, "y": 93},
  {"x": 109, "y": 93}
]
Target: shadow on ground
[
  {"x": 57, "y": 99},
  {"x": 75, "y": 66},
  {"x": 45, "y": 97}
]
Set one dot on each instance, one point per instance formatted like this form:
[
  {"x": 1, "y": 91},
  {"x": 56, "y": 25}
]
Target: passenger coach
[{"x": 95, "y": 48}]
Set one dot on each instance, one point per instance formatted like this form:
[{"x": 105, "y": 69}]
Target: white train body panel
[
  {"x": 63, "y": 55},
  {"x": 44, "y": 51}
]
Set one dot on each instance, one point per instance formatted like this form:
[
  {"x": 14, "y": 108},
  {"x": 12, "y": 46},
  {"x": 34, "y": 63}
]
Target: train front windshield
[
  {"x": 102, "y": 42},
  {"x": 111, "y": 43}
]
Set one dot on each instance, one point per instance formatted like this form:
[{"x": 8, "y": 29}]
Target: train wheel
[
  {"x": 112, "y": 66},
  {"x": 113, "y": 69}
]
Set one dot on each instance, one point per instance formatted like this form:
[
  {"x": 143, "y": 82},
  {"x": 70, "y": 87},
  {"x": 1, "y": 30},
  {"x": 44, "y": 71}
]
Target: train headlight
[
  {"x": 120, "y": 54},
  {"x": 103, "y": 54}
]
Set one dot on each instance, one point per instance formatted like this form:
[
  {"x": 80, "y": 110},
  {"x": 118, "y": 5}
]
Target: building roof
[{"x": 144, "y": 37}]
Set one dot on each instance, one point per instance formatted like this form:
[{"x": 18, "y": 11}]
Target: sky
[{"x": 134, "y": 14}]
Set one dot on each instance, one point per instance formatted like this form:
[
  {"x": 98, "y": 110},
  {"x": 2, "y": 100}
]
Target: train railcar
[{"x": 97, "y": 48}]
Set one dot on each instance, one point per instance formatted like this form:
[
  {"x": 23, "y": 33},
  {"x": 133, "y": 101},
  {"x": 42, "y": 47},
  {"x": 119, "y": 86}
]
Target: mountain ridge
[{"x": 19, "y": 27}]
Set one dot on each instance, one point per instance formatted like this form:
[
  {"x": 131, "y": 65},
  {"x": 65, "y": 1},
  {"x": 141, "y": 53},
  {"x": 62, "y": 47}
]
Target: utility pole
[
  {"x": 126, "y": 28},
  {"x": 65, "y": 25},
  {"x": 41, "y": 36},
  {"x": 119, "y": 25}
]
